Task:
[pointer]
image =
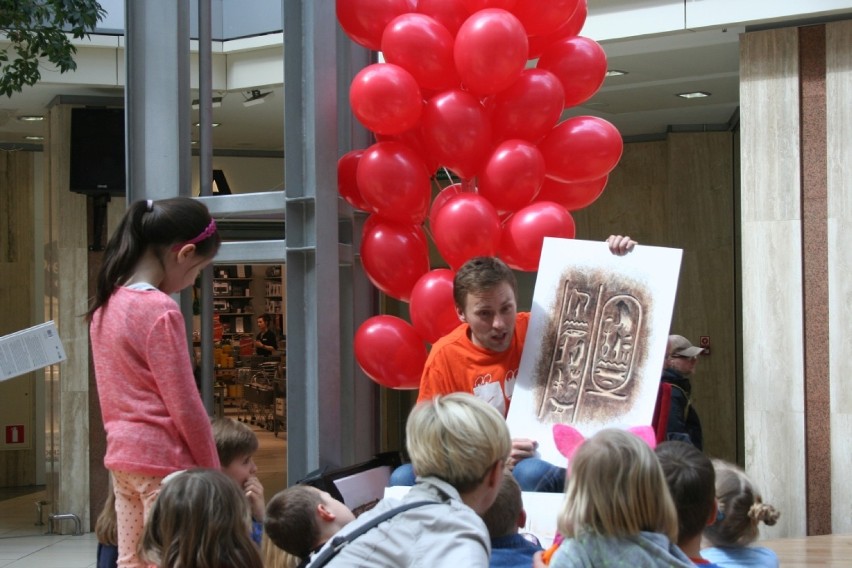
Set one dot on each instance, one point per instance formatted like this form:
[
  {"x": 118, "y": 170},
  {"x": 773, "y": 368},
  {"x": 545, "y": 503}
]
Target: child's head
[
  {"x": 179, "y": 232},
  {"x": 200, "y": 518},
  {"x": 457, "y": 438},
  {"x": 301, "y": 518},
  {"x": 506, "y": 514},
  {"x": 236, "y": 443},
  {"x": 616, "y": 488},
  {"x": 741, "y": 508},
  {"x": 691, "y": 480}
]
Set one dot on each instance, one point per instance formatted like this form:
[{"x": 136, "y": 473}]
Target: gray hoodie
[{"x": 645, "y": 549}]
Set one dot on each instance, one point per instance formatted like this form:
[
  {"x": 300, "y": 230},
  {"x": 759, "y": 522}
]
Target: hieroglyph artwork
[
  {"x": 596, "y": 341},
  {"x": 592, "y": 345}
]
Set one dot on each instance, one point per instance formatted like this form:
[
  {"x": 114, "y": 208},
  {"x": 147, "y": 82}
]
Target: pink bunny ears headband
[{"x": 568, "y": 439}]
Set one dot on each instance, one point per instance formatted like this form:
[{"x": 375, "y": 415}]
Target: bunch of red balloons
[{"x": 457, "y": 91}]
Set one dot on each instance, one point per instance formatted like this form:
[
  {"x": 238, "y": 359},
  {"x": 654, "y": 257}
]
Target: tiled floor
[{"x": 25, "y": 545}]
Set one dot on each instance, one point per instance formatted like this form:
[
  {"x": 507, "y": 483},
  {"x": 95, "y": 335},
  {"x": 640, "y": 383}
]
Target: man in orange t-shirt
[{"x": 482, "y": 356}]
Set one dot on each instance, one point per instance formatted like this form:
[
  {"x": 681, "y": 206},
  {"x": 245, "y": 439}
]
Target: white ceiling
[{"x": 642, "y": 103}]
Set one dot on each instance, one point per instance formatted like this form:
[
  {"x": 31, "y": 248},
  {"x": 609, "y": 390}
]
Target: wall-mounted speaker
[{"x": 97, "y": 151}]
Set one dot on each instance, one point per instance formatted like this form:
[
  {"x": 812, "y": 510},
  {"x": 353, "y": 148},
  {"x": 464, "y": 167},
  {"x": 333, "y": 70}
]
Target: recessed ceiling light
[
  {"x": 213, "y": 124},
  {"x": 31, "y": 118},
  {"x": 615, "y": 72},
  {"x": 694, "y": 95},
  {"x": 33, "y": 137}
]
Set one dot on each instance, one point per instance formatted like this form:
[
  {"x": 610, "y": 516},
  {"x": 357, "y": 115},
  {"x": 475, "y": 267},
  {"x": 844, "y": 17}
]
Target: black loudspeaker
[{"x": 97, "y": 151}]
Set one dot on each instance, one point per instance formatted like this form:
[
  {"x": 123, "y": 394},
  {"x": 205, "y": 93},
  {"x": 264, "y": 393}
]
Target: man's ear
[
  {"x": 522, "y": 519},
  {"x": 325, "y": 514},
  {"x": 460, "y": 313}
]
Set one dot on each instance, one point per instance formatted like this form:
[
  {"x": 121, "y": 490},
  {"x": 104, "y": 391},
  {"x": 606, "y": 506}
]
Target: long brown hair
[
  {"x": 155, "y": 225},
  {"x": 200, "y": 520}
]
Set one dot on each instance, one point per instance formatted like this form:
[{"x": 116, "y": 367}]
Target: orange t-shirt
[{"x": 455, "y": 364}]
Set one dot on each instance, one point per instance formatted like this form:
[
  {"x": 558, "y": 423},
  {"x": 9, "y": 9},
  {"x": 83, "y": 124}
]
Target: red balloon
[
  {"x": 395, "y": 183},
  {"x": 524, "y": 233},
  {"x": 544, "y": 16},
  {"x": 451, "y": 13},
  {"x": 390, "y": 352},
  {"x": 347, "y": 185},
  {"x": 465, "y": 227},
  {"x": 579, "y": 63},
  {"x": 512, "y": 176},
  {"x": 385, "y": 98},
  {"x": 394, "y": 256},
  {"x": 365, "y": 20},
  {"x": 456, "y": 130},
  {"x": 424, "y": 48},
  {"x": 441, "y": 199},
  {"x": 477, "y": 5},
  {"x": 570, "y": 28},
  {"x": 490, "y": 51},
  {"x": 572, "y": 196},
  {"x": 413, "y": 139},
  {"x": 529, "y": 108},
  {"x": 582, "y": 148},
  {"x": 432, "y": 308}
]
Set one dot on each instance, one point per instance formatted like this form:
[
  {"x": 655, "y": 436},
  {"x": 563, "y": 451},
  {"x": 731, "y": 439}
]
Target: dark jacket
[{"x": 683, "y": 424}]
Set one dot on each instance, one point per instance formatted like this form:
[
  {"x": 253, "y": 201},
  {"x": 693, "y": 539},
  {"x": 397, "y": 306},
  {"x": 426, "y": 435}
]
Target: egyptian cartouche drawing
[{"x": 595, "y": 340}]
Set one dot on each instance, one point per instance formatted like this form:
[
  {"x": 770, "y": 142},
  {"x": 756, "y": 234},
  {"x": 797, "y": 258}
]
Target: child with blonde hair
[
  {"x": 458, "y": 445},
  {"x": 200, "y": 518},
  {"x": 741, "y": 510},
  {"x": 617, "y": 509}
]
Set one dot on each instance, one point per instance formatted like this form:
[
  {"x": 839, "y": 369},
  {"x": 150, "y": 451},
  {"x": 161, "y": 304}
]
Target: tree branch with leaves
[{"x": 37, "y": 30}]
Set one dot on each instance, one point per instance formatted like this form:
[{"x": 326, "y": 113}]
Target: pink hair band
[{"x": 205, "y": 234}]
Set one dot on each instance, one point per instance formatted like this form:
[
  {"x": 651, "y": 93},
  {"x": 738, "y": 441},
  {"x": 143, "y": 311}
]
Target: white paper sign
[
  {"x": 30, "y": 349},
  {"x": 596, "y": 340}
]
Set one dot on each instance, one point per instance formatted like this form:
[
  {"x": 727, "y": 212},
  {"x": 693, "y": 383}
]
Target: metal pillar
[
  {"x": 321, "y": 411},
  {"x": 157, "y": 99},
  {"x": 156, "y": 113}
]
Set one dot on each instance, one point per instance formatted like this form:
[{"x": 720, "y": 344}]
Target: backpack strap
[{"x": 339, "y": 542}]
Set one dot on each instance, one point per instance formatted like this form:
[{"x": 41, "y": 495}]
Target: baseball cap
[{"x": 681, "y": 346}]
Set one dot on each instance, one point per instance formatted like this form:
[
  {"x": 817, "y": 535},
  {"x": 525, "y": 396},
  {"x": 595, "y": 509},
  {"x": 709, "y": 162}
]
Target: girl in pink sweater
[{"x": 155, "y": 421}]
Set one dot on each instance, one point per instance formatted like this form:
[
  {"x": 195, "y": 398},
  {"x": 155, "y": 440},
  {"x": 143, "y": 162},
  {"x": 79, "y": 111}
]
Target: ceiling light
[
  {"x": 256, "y": 97},
  {"x": 33, "y": 137},
  {"x": 216, "y": 103},
  {"x": 31, "y": 118},
  {"x": 614, "y": 72},
  {"x": 213, "y": 124},
  {"x": 694, "y": 95}
]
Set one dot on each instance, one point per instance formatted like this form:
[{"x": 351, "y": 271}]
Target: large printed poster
[{"x": 596, "y": 341}]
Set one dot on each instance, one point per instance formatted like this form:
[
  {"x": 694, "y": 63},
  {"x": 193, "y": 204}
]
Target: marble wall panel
[
  {"x": 772, "y": 287},
  {"x": 769, "y": 99},
  {"x": 776, "y": 465},
  {"x": 839, "y": 195}
]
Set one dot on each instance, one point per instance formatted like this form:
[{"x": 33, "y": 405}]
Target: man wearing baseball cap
[{"x": 681, "y": 358}]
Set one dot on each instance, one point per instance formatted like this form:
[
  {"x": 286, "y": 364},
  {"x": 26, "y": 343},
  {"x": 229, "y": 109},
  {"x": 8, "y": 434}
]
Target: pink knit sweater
[{"x": 153, "y": 415}]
